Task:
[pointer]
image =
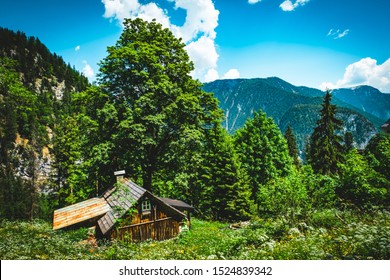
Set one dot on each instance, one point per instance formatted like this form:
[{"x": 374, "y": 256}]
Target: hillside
[
  {"x": 35, "y": 93},
  {"x": 290, "y": 105},
  {"x": 40, "y": 70}
]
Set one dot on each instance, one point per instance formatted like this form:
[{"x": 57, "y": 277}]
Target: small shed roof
[
  {"x": 80, "y": 212},
  {"x": 178, "y": 204}
]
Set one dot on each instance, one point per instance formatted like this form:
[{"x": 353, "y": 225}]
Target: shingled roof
[
  {"x": 113, "y": 205},
  {"x": 121, "y": 200}
]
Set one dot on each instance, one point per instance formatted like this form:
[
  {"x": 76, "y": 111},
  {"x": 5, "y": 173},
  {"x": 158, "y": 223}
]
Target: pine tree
[
  {"x": 348, "y": 141},
  {"x": 225, "y": 192},
  {"x": 292, "y": 145},
  {"x": 325, "y": 144}
]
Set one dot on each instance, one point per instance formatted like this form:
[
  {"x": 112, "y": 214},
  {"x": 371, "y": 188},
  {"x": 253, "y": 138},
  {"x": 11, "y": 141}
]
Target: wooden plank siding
[
  {"x": 161, "y": 229},
  {"x": 80, "y": 212},
  {"x": 127, "y": 212}
]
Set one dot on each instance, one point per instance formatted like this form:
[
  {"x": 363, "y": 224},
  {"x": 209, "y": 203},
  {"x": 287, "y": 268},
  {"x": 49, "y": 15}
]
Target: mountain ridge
[{"x": 288, "y": 104}]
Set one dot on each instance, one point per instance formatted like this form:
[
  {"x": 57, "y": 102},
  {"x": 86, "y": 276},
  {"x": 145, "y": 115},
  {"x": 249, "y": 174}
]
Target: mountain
[
  {"x": 288, "y": 105},
  {"x": 366, "y": 98},
  {"x": 36, "y": 87},
  {"x": 40, "y": 70}
]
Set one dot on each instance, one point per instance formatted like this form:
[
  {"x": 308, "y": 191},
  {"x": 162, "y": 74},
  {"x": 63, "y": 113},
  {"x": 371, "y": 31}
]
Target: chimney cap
[{"x": 119, "y": 173}]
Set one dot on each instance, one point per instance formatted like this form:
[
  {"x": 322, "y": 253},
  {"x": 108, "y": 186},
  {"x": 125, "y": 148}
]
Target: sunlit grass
[{"x": 326, "y": 234}]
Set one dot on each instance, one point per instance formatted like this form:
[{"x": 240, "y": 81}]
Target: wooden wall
[{"x": 160, "y": 229}]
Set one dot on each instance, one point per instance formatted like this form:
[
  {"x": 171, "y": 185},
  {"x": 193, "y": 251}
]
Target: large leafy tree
[
  {"x": 147, "y": 72},
  {"x": 262, "y": 150},
  {"x": 326, "y": 150}
]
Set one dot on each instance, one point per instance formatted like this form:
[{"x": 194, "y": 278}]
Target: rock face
[
  {"x": 299, "y": 106},
  {"x": 49, "y": 84}
]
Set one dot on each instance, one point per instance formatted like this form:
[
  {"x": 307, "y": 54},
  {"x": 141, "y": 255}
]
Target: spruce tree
[
  {"x": 225, "y": 192},
  {"x": 292, "y": 145},
  {"x": 325, "y": 151},
  {"x": 348, "y": 141},
  {"x": 262, "y": 150}
]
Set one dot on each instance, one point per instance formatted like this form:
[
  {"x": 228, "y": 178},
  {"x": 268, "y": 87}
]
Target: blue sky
[{"x": 317, "y": 43}]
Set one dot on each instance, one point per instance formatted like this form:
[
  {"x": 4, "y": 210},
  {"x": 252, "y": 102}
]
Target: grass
[{"x": 325, "y": 234}]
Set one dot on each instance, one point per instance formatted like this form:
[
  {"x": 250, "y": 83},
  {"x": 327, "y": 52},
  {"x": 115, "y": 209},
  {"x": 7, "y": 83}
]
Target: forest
[{"x": 62, "y": 138}]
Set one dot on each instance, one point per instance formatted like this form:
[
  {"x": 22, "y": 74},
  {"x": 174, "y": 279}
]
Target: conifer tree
[
  {"x": 224, "y": 185},
  {"x": 325, "y": 144},
  {"x": 262, "y": 150},
  {"x": 292, "y": 145},
  {"x": 348, "y": 141}
]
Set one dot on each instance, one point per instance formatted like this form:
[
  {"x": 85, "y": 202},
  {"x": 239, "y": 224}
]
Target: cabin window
[{"x": 146, "y": 206}]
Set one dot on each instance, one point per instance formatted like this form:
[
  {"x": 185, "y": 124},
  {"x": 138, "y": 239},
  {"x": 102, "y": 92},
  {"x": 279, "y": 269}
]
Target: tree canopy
[{"x": 147, "y": 73}]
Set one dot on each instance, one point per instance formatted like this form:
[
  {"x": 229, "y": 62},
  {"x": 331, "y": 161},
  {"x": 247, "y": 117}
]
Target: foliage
[
  {"x": 325, "y": 145},
  {"x": 321, "y": 189},
  {"x": 224, "y": 188},
  {"x": 263, "y": 151},
  {"x": 378, "y": 154},
  {"x": 148, "y": 71},
  {"x": 283, "y": 196},
  {"x": 360, "y": 183},
  {"x": 348, "y": 141},
  {"x": 292, "y": 145}
]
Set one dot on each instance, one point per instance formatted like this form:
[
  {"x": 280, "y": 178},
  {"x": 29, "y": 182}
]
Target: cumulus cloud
[
  {"x": 211, "y": 75},
  {"x": 289, "y": 6},
  {"x": 231, "y": 74},
  {"x": 253, "y": 1},
  {"x": 198, "y": 31},
  {"x": 88, "y": 71},
  {"x": 367, "y": 71},
  {"x": 337, "y": 34}
]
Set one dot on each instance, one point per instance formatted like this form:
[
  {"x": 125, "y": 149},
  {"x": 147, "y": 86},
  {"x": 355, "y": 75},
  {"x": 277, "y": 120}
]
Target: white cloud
[
  {"x": 121, "y": 9},
  {"x": 289, "y": 6},
  {"x": 253, "y": 1},
  {"x": 231, "y": 74},
  {"x": 202, "y": 18},
  {"x": 367, "y": 71},
  {"x": 337, "y": 34},
  {"x": 204, "y": 54},
  {"x": 77, "y": 48},
  {"x": 198, "y": 31},
  {"x": 211, "y": 76},
  {"x": 88, "y": 71}
]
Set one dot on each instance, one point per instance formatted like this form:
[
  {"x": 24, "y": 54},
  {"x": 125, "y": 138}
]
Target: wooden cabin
[{"x": 129, "y": 213}]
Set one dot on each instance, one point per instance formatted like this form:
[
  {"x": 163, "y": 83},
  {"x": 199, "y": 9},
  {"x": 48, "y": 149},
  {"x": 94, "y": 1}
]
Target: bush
[
  {"x": 360, "y": 183},
  {"x": 326, "y": 218},
  {"x": 283, "y": 195}
]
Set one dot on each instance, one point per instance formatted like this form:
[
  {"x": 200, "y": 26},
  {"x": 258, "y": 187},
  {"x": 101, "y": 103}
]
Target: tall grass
[{"x": 325, "y": 234}]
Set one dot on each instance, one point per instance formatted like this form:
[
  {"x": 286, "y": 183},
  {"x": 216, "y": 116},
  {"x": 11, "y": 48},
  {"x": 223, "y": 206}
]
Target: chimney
[{"x": 119, "y": 175}]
